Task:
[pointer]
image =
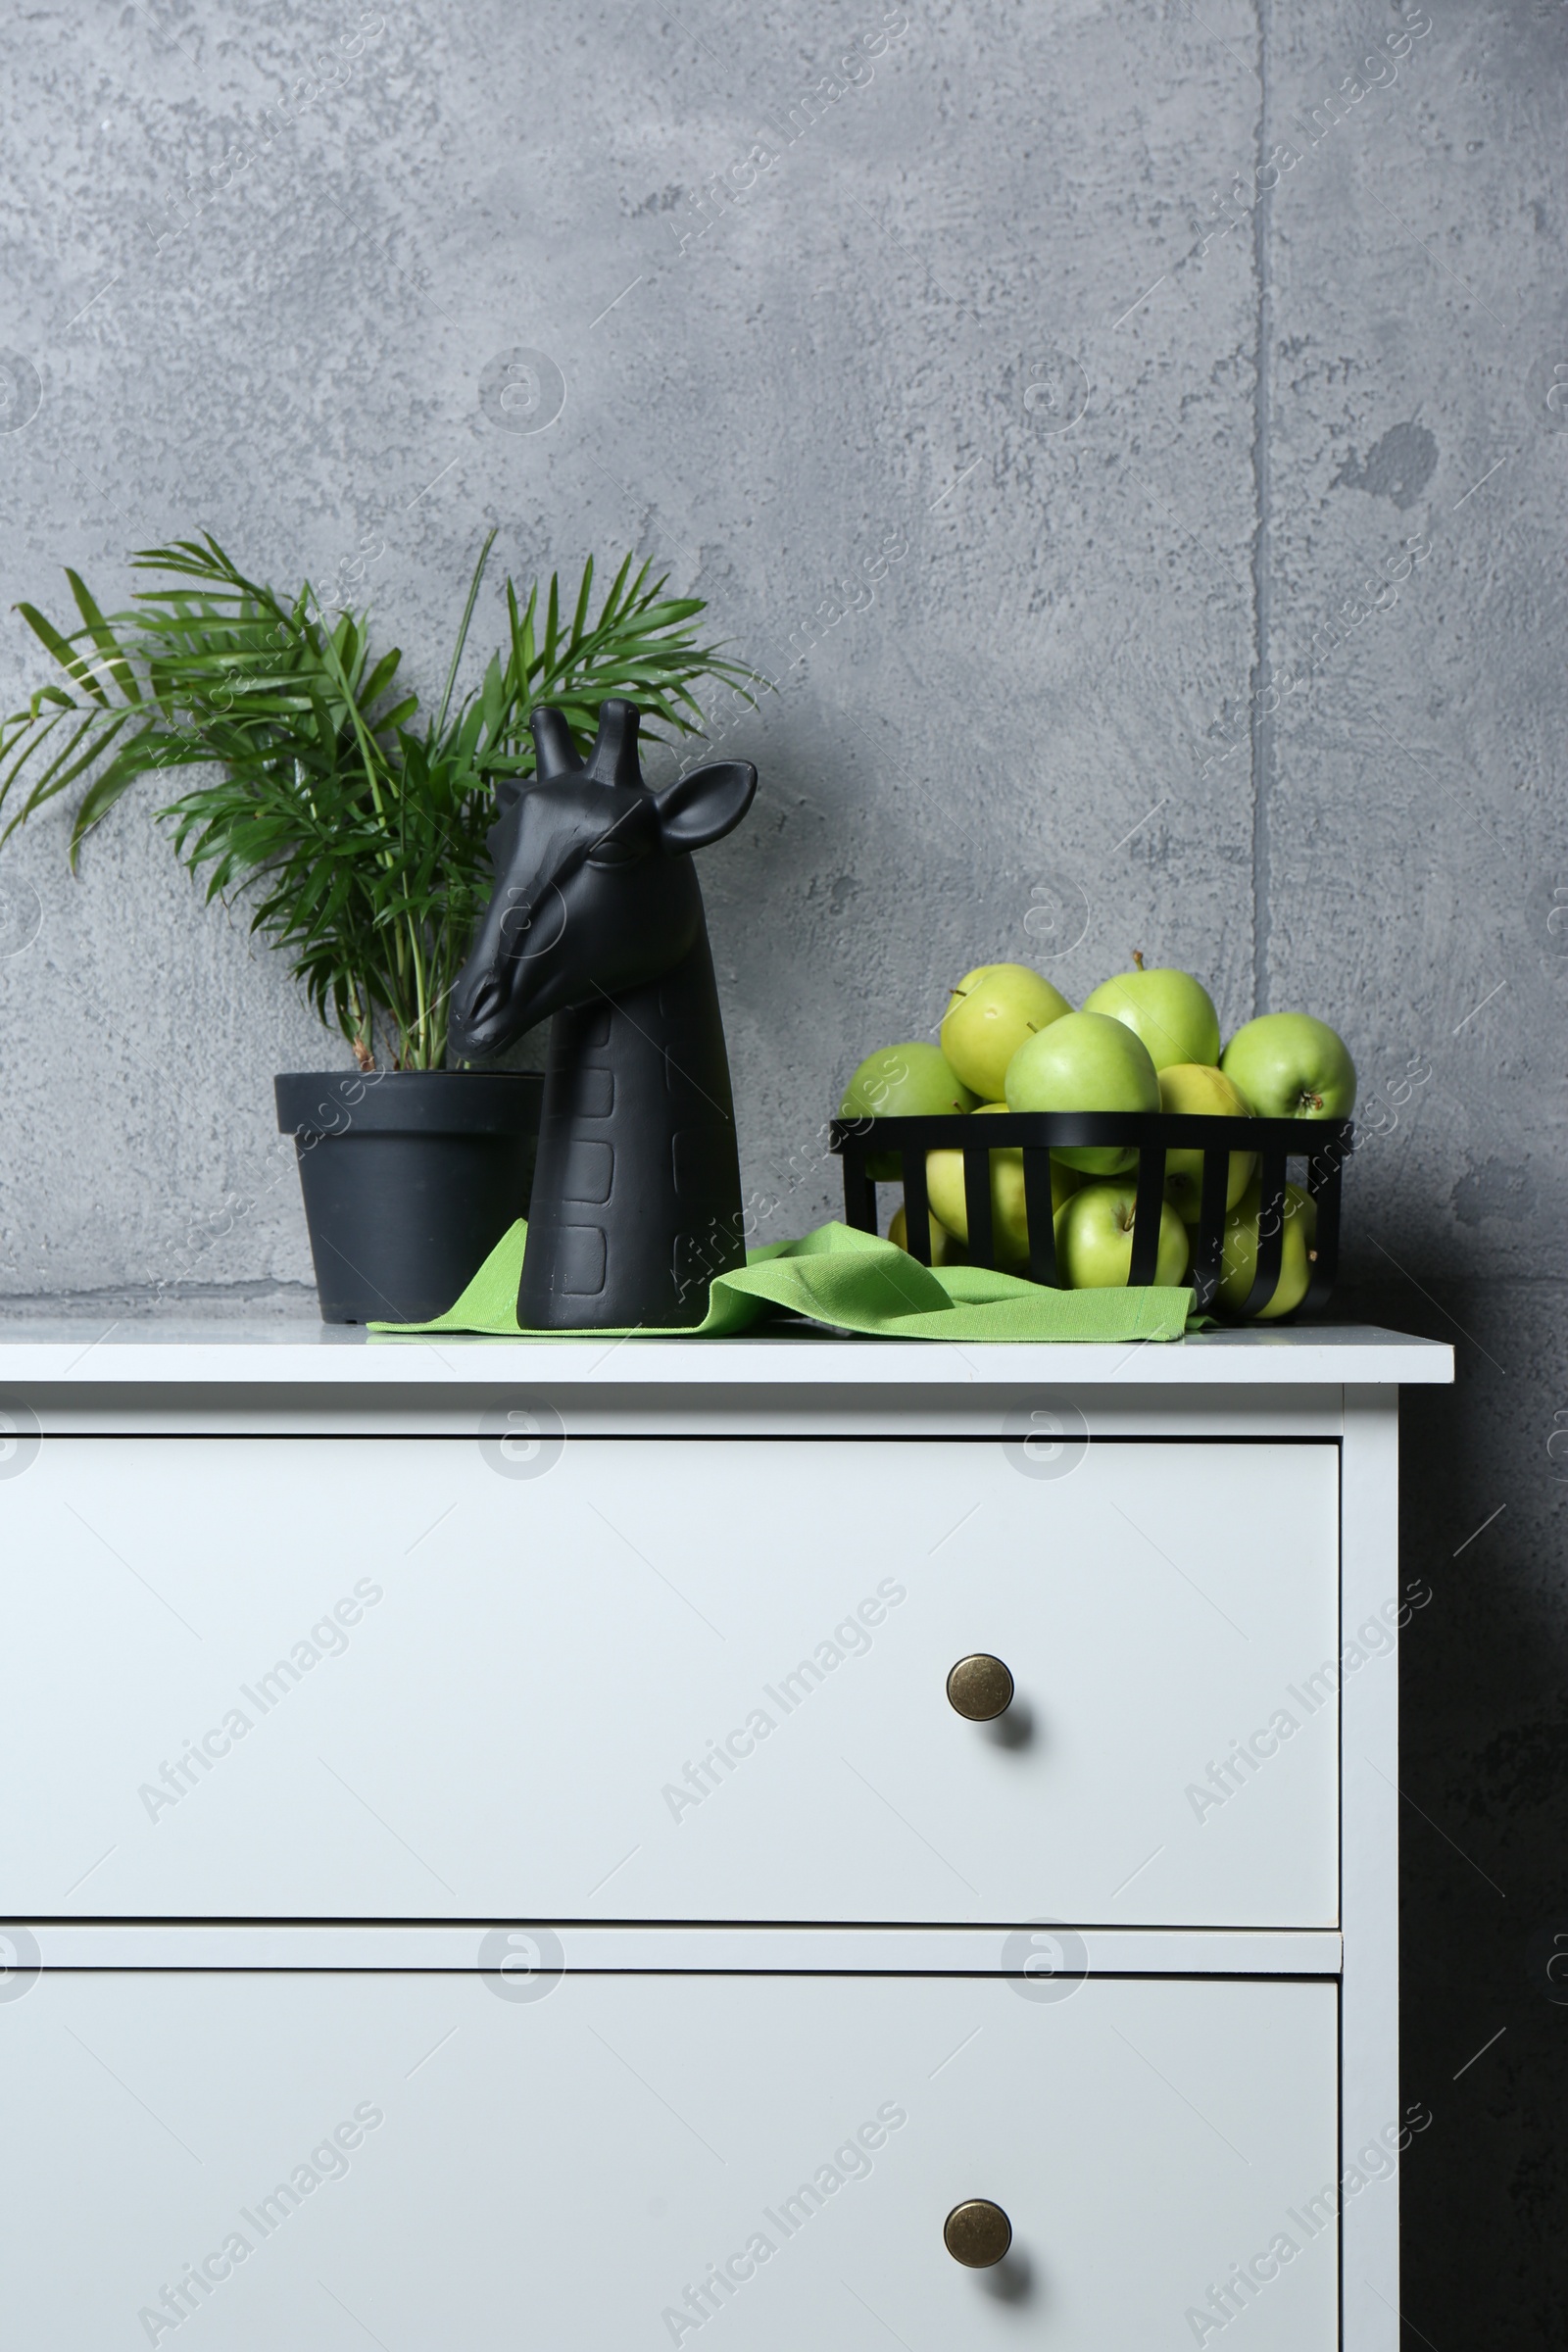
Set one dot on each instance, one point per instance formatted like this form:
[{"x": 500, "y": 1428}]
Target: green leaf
[
  {"x": 463, "y": 630},
  {"x": 103, "y": 638},
  {"x": 552, "y": 624},
  {"x": 581, "y": 618},
  {"x": 81, "y": 672}
]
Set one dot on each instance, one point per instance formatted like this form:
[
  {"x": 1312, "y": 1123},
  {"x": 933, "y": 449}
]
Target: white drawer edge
[
  {"x": 1058, "y": 1952},
  {"x": 92, "y": 1353},
  {"x": 737, "y": 1410}
]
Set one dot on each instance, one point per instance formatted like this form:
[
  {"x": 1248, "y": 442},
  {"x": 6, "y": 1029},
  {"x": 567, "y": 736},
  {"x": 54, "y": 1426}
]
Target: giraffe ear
[{"x": 704, "y": 806}]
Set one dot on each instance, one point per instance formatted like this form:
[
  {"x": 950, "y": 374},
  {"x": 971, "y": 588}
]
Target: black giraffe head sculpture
[{"x": 596, "y": 917}]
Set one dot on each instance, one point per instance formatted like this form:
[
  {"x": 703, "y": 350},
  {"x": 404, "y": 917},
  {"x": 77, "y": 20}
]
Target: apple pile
[{"x": 1144, "y": 1042}]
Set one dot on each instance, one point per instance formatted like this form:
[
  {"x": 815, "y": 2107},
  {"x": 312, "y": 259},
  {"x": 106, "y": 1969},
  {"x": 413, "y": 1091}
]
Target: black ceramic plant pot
[{"x": 410, "y": 1179}]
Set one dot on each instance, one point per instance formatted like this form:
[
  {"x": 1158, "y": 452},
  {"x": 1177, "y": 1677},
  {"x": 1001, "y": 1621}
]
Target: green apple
[
  {"x": 1085, "y": 1061},
  {"x": 990, "y": 1013},
  {"x": 1095, "y": 1240},
  {"x": 945, "y": 1247},
  {"x": 1290, "y": 1067},
  {"x": 1171, "y": 1012},
  {"x": 903, "y": 1082},
  {"x": 1197, "y": 1089},
  {"x": 1009, "y": 1224},
  {"x": 1238, "y": 1265}
]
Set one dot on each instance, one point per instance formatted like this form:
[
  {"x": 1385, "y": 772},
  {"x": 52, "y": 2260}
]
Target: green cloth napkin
[{"x": 853, "y": 1282}]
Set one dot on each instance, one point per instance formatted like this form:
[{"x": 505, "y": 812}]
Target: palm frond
[{"x": 359, "y": 833}]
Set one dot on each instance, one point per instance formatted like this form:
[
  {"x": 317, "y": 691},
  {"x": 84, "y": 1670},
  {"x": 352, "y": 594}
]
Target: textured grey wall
[{"x": 1129, "y": 436}]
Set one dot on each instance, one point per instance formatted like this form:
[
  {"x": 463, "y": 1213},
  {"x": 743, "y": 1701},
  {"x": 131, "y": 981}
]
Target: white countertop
[{"x": 218, "y": 1344}]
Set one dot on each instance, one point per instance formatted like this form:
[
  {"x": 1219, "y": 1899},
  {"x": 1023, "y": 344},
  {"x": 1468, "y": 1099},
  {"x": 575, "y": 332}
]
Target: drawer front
[
  {"x": 696, "y": 1680},
  {"x": 641, "y": 2161}
]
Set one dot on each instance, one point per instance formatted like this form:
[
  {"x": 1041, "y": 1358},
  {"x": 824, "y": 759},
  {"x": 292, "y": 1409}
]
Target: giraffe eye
[{"x": 617, "y": 850}]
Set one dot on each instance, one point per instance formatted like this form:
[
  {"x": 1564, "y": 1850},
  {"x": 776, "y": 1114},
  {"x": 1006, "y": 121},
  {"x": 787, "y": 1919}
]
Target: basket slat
[
  {"x": 1146, "y": 1213},
  {"x": 1037, "y": 1208},
  {"x": 1208, "y": 1242},
  {"x": 916, "y": 1208},
  {"x": 1270, "y": 1233},
  {"x": 977, "y": 1202},
  {"x": 1323, "y": 1183}
]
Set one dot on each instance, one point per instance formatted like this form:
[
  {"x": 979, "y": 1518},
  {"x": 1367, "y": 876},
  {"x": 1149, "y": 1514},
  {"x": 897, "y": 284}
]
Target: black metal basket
[{"x": 1324, "y": 1143}]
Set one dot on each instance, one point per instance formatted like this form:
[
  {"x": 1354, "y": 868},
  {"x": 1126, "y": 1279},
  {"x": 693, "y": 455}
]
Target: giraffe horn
[
  {"x": 613, "y": 757},
  {"x": 554, "y": 753}
]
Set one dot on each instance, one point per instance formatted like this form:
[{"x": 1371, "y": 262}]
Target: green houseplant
[{"x": 354, "y": 825}]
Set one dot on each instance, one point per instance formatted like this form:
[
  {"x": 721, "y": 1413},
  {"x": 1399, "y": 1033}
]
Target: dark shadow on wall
[{"x": 1484, "y": 1826}]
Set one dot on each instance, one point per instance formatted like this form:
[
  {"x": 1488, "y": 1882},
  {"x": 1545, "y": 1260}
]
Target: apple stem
[{"x": 1138, "y": 958}]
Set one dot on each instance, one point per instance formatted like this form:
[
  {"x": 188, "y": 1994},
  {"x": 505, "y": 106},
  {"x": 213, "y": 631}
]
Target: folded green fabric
[{"x": 853, "y": 1282}]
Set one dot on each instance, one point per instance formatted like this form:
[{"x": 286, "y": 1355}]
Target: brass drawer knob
[
  {"x": 977, "y": 2234},
  {"x": 980, "y": 1689}
]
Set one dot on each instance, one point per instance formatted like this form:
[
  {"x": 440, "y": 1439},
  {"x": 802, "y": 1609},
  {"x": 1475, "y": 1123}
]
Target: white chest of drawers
[{"x": 492, "y": 1856}]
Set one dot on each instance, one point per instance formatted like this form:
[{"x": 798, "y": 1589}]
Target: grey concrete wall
[{"x": 1129, "y": 436}]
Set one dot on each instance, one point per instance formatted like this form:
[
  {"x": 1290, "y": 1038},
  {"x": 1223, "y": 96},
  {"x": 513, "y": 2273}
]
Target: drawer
[
  {"x": 322, "y": 2161},
  {"x": 671, "y": 1679}
]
